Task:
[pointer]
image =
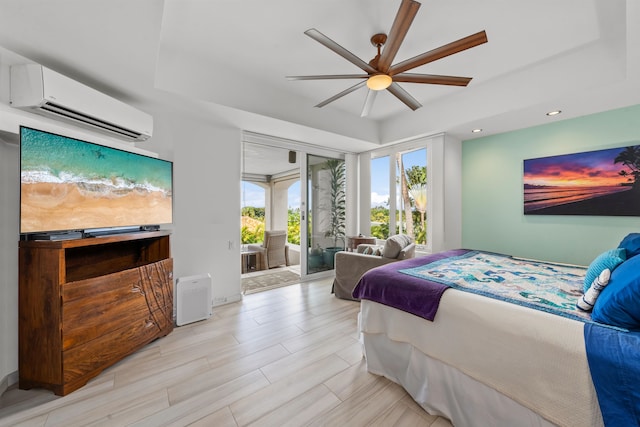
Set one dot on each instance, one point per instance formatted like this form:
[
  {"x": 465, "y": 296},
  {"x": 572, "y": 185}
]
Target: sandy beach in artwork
[
  {"x": 626, "y": 203},
  {"x": 53, "y": 206}
]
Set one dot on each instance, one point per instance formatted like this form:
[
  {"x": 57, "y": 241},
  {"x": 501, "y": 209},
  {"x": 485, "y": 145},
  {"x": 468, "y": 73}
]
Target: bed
[{"x": 511, "y": 358}]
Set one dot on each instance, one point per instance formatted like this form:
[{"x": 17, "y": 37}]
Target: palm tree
[
  {"x": 416, "y": 175},
  {"x": 408, "y": 218},
  {"x": 419, "y": 194},
  {"x": 630, "y": 157}
]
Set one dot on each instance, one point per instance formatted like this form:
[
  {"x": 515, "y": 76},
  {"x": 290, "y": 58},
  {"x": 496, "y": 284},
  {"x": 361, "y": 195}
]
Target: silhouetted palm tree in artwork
[{"x": 630, "y": 157}]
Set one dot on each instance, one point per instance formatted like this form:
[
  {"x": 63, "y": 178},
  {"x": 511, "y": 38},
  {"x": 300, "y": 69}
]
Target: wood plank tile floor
[{"x": 285, "y": 357}]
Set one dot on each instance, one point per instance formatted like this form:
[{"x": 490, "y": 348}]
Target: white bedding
[{"x": 534, "y": 359}]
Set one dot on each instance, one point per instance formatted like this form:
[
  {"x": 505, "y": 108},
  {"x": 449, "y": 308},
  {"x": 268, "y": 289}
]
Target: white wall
[
  {"x": 9, "y": 196},
  {"x": 206, "y": 221},
  {"x": 351, "y": 191},
  {"x": 444, "y": 193},
  {"x": 493, "y": 218},
  {"x": 205, "y": 234},
  {"x": 452, "y": 195}
]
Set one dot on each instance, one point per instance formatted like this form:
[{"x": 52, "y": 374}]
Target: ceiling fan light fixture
[{"x": 379, "y": 81}]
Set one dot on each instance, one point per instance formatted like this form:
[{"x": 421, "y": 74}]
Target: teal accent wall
[{"x": 492, "y": 190}]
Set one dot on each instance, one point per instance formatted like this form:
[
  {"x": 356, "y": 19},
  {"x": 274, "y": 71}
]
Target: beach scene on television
[
  {"x": 68, "y": 184},
  {"x": 603, "y": 182}
]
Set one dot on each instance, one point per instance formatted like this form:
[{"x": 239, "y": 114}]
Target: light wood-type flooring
[{"x": 285, "y": 357}]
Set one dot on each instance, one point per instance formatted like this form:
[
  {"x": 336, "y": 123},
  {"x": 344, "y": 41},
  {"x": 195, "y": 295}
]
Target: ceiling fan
[{"x": 381, "y": 74}]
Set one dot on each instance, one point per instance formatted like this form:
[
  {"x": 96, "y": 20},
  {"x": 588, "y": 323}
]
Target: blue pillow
[
  {"x": 632, "y": 244},
  {"x": 619, "y": 302},
  {"x": 609, "y": 259}
]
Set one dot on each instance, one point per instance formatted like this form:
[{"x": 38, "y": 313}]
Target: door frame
[{"x": 302, "y": 149}]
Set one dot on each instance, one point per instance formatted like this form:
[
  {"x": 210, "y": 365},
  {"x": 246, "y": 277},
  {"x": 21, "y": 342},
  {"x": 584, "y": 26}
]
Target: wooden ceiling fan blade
[
  {"x": 330, "y": 44},
  {"x": 407, "y": 11},
  {"x": 329, "y": 77},
  {"x": 404, "y": 96},
  {"x": 439, "y": 53},
  {"x": 432, "y": 79},
  {"x": 368, "y": 102},
  {"x": 341, "y": 94}
]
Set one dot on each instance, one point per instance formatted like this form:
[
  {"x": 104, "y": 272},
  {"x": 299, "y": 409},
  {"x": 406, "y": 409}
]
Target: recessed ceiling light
[
  {"x": 476, "y": 130},
  {"x": 553, "y": 113}
]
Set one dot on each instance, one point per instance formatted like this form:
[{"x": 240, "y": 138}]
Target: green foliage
[
  {"x": 252, "y": 212},
  {"x": 421, "y": 235},
  {"x": 255, "y": 235},
  {"x": 293, "y": 226},
  {"x": 416, "y": 175},
  {"x": 379, "y": 214},
  {"x": 420, "y": 229},
  {"x": 380, "y": 231},
  {"x": 380, "y": 222},
  {"x": 338, "y": 208}
]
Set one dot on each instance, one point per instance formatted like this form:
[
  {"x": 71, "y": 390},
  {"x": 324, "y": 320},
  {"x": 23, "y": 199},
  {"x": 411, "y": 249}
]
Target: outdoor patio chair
[{"x": 273, "y": 250}]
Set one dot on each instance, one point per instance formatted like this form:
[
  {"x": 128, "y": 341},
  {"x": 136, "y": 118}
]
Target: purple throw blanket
[{"x": 417, "y": 296}]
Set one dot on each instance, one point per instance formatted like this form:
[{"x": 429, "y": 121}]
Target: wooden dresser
[{"x": 84, "y": 304}]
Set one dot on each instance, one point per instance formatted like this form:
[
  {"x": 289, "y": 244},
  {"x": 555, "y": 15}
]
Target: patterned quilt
[{"x": 544, "y": 286}]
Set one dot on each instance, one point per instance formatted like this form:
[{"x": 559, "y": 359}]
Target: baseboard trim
[{"x": 8, "y": 381}]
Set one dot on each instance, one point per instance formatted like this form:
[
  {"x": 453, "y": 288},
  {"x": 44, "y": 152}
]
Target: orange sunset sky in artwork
[{"x": 588, "y": 169}]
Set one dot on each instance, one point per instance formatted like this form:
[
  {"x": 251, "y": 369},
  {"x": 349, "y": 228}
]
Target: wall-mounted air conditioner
[{"x": 40, "y": 90}]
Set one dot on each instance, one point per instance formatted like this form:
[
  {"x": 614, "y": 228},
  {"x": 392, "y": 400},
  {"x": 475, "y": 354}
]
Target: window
[
  {"x": 293, "y": 216},
  {"x": 380, "y": 197},
  {"x": 411, "y": 178},
  {"x": 403, "y": 208},
  {"x": 253, "y": 213}
]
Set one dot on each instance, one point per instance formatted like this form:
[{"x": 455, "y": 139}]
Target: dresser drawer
[
  {"x": 93, "y": 307},
  {"x": 84, "y": 360}
]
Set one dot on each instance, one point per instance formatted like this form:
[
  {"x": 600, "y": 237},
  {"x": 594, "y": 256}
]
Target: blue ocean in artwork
[{"x": 95, "y": 168}]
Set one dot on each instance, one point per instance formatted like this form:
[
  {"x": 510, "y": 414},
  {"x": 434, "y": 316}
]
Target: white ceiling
[{"x": 231, "y": 57}]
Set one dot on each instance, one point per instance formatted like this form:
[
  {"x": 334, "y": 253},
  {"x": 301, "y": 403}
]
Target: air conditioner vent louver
[
  {"x": 74, "y": 115},
  {"x": 37, "y": 89}
]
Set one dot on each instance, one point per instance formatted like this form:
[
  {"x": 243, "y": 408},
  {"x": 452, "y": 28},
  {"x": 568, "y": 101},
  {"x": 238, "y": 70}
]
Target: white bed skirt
[
  {"x": 443, "y": 390},
  {"x": 484, "y": 362}
]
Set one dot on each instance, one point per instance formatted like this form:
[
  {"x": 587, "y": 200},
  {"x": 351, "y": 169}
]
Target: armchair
[
  {"x": 273, "y": 250},
  {"x": 350, "y": 266}
]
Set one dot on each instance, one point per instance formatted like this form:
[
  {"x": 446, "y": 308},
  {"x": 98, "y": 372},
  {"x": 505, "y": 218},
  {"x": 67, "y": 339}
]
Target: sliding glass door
[
  {"x": 325, "y": 212},
  {"x": 285, "y": 187}
]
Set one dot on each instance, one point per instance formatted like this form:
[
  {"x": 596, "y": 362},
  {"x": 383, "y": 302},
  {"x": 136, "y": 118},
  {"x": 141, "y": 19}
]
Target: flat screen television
[{"x": 67, "y": 184}]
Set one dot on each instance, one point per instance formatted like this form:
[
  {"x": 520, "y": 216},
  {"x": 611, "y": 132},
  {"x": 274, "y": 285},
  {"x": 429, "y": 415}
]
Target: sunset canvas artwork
[{"x": 603, "y": 182}]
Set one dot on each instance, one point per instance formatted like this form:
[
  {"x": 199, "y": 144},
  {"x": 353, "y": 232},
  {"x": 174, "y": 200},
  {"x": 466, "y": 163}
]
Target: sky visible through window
[
  {"x": 380, "y": 174},
  {"x": 253, "y": 195}
]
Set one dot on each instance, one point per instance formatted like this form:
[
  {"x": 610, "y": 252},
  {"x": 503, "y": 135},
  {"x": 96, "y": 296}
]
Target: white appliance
[
  {"x": 193, "y": 299},
  {"x": 40, "y": 90}
]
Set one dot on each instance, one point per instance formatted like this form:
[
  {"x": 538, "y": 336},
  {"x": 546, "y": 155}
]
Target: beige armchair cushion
[
  {"x": 350, "y": 266},
  {"x": 395, "y": 244},
  {"x": 273, "y": 250}
]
